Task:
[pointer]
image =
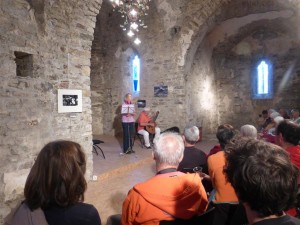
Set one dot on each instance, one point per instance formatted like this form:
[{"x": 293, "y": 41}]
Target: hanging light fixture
[{"x": 133, "y": 12}]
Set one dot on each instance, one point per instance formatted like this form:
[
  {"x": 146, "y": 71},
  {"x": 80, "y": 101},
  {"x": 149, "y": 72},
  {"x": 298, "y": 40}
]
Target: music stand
[{"x": 127, "y": 109}]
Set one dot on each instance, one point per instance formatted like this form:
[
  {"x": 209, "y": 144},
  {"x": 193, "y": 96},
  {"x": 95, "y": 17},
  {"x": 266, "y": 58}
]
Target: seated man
[
  {"x": 264, "y": 179},
  {"x": 222, "y": 140},
  {"x": 295, "y": 116},
  {"x": 192, "y": 157},
  {"x": 168, "y": 195},
  {"x": 223, "y": 198},
  {"x": 145, "y": 121},
  {"x": 288, "y": 137}
]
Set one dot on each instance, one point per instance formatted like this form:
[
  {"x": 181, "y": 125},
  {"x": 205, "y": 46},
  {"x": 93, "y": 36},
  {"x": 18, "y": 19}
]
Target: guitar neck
[{"x": 155, "y": 117}]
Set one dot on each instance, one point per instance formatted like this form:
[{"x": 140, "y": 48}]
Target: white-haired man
[
  {"x": 144, "y": 121},
  {"x": 168, "y": 195},
  {"x": 192, "y": 157}
]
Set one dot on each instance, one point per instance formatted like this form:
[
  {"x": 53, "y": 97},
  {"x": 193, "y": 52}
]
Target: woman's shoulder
[{"x": 81, "y": 207}]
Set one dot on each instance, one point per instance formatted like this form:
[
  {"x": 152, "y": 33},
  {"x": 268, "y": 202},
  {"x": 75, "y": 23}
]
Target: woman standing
[{"x": 127, "y": 123}]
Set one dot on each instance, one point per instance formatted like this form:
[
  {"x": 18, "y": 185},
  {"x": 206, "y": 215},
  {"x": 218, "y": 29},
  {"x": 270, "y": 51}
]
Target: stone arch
[
  {"x": 194, "y": 39},
  {"x": 268, "y": 12},
  {"x": 216, "y": 12}
]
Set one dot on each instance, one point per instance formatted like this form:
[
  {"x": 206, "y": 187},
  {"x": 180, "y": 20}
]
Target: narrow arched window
[
  {"x": 262, "y": 85},
  {"x": 136, "y": 74}
]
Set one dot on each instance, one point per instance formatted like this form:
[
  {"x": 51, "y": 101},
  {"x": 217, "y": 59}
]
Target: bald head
[{"x": 168, "y": 149}]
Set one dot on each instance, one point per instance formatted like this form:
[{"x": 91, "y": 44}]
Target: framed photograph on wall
[
  {"x": 141, "y": 103},
  {"x": 160, "y": 91},
  {"x": 69, "y": 100}
]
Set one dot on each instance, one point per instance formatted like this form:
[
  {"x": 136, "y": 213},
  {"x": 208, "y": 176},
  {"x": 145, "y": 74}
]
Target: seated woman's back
[{"x": 56, "y": 184}]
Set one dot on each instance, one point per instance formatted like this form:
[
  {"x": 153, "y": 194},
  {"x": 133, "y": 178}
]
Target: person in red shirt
[
  {"x": 288, "y": 137},
  {"x": 143, "y": 121}
]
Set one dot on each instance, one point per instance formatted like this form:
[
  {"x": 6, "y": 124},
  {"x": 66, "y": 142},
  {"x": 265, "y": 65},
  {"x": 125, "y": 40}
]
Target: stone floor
[{"x": 117, "y": 174}]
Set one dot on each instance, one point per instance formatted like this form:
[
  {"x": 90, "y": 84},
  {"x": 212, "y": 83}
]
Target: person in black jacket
[{"x": 56, "y": 184}]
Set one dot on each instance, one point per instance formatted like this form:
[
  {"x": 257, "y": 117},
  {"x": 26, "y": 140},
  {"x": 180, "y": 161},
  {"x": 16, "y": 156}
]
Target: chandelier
[{"x": 133, "y": 12}]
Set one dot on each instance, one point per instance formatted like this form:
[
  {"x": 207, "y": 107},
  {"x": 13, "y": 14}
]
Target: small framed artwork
[
  {"x": 69, "y": 100},
  {"x": 160, "y": 91},
  {"x": 141, "y": 103}
]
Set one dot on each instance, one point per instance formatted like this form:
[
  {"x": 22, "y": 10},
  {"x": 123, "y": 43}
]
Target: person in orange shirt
[
  {"x": 168, "y": 195},
  {"x": 223, "y": 192},
  {"x": 143, "y": 121}
]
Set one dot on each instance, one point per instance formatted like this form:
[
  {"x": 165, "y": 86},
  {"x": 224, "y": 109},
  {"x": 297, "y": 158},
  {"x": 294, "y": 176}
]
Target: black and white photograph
[
  {"x": 69, "y": 100},
  {"x": 160, "y": 91},
  {"x": 141, "y": 103}
]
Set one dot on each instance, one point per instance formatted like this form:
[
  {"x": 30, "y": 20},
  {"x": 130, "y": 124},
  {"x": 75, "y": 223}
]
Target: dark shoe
[{"x": 129, "y": 150}]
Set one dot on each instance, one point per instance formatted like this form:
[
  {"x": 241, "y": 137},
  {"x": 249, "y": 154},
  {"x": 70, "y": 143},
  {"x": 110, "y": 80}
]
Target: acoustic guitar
[{"x": 151, "y": 129}]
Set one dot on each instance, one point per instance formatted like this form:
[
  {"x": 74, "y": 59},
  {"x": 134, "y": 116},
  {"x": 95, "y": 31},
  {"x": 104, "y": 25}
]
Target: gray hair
[
  {"x": 273, "y": 115},
  {"x": 249, "y": 131},
  {"x": 191, "y": 134},
  {"x": 278, "y": 119},
  {"x": 168, "y": 149}
]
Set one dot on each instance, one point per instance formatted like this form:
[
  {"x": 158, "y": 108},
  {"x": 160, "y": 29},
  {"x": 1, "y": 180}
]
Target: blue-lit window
[
  {"x": 136, "y": 74},
  {"x": 262, "y": 85}
]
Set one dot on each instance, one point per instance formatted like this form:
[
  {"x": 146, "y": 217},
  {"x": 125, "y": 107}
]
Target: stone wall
[
  {"x": 201, "y": 94},
  {"x": 185, "y": 29},
  {"x": 58, "y": 35},
  {"x": 206, "y": 67},
  {"x": 235, "y": 65}
]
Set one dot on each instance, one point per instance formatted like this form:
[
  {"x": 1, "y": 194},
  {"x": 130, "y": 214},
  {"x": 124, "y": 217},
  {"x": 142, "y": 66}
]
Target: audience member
[
  {"x": 56, "y": 184},
  {"x": 288, "y": 137},
  {"x": 224, "y": 199},
  {"x": 295, "y": 116},
  {"x": 192, "y": 157},
  {"x": 268, "y": 133},
  {"x": 284, "y": 113},
  {"x": 267, "y": 119},
  {"x": 249, "y": 131},
  {"x": 264, "y": 179},
  {"x": 168, "y": 195},
  {"x": 220, "y": 138}
]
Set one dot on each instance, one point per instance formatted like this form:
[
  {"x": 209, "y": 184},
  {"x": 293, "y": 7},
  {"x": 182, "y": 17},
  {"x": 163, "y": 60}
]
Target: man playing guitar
[{"x": 145, "y": 121}]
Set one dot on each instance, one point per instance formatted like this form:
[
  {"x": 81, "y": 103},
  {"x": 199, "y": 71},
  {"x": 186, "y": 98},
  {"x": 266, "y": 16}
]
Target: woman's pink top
[{"x": 127, "y": 118}]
